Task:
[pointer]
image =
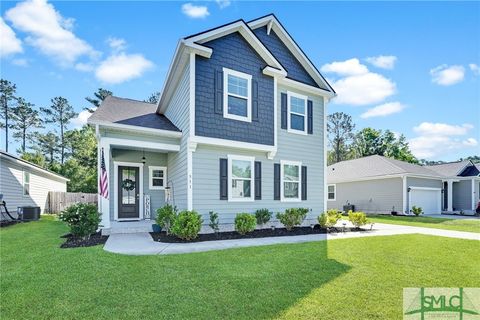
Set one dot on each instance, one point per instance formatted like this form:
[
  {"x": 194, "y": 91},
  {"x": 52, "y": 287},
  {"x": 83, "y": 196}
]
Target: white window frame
[
  {"x": 150, "y": 177},
  {"x": 334, "y": 192},
  {"x": 282, "y": 184},
  {"x": 25, "y": 183},
  {"x": 289, "y": 112},
  {"x": 248, "y": 77},
  {"x": 230, "y": 178}
]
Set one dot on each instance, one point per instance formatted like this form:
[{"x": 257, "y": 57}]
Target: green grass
[
  {"x": 429, "y": 222},
  {"x": 342, "y": 279}
]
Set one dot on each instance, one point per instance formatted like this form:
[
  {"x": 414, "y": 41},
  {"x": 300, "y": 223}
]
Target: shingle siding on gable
[
  {"x": 294, "y": 69},
  {"x": 232, "y": 52}
]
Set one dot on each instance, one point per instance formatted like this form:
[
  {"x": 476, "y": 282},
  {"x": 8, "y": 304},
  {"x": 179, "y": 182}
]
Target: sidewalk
[{"x": 143, "y": 244}]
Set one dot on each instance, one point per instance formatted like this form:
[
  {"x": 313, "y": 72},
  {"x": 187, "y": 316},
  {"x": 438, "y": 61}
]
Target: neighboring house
[
  {"x": 240, "y": 125},
  {"x": 25, "y": 184},
  {"x": 377, "y": 184}
]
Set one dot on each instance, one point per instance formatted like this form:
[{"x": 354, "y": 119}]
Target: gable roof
[
  {"x": 450, "y": 169},
  {"x": 373, "y": 167},
  {"x": 34, "y": 166},
  {"x": 128, "y": 112},
  {"x": 274, "y": 24}
]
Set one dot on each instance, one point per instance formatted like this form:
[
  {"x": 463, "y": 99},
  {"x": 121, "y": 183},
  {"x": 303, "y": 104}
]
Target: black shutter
[
  {"x": 223, "y": 179},
  {"x": 284, "y": 110},
  {"x": 304, "y": 183},
  {"x": 276, "y": 181},
  {"x": 310, "y": 116},
  {"x": 258, "y": 180},
  {"x": 254, "y": 100},
  {"x": 219, "y": 91}
]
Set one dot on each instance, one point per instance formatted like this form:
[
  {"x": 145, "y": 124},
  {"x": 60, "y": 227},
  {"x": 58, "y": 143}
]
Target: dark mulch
[
  {"x": 262, "y": 233},
  {"x": 7, "y": 223},
  {"x": 74, "y": 242}
]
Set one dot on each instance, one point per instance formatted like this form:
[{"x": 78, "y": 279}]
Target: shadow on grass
[{"x": 257, "y": 282}]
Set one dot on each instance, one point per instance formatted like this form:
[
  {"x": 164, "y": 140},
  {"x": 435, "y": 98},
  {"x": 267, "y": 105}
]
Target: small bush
[
  {"x": 245, "y": 222},
  {"x": 358, "y": 219},
  {"x": 82, "y": 218},
  {"x": 417, "y": 210},
  {"x": 292, "y": 217},
  {"x": 166, "y": 216},
  {"x": 329, "y": 219},
  {"x": 213, "y": 221},
  {"x": 322, "y": 220},
  {"x": 263, "y": 216},
  {"x": 187, "y": 225}
]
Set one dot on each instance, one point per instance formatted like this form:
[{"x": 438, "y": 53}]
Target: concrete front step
[{"x": 123, "y": 227}]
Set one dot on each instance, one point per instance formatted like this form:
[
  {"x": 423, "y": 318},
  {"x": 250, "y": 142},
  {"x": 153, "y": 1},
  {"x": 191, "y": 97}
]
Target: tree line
[{"x": 45, "y": 138}]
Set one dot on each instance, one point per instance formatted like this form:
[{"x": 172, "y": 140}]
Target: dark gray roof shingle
[
  {"x": 131, "y": 112},
  {"x": 450, "y": 169}
]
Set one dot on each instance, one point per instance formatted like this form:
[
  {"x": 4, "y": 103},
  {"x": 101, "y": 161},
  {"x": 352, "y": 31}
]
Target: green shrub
[
  {"x": 187, "y": 225},
  {"x": 292, "y": 217},
  {"x": 213, "y": 221},
  {"x": 329, "y": 219},
  {"x": 322, "y": 220},
  {"x": 417, "y": 210},
  {"x": 82, "y": 218},
  {"x": 358, "y": 219},
  {"x": 245, "y": 222},
  {"x": 166, "y": 216},
  {"x": 263, "y": 216}
]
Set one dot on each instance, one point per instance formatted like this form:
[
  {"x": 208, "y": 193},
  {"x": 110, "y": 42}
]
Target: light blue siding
[{"x": 462, "y": 195}]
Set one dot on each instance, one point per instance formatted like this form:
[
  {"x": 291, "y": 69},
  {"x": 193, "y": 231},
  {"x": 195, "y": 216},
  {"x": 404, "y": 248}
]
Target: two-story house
[{"x": 240, "y": 125}]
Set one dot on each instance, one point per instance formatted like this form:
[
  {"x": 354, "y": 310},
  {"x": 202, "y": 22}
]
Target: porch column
[
  {"x": 104, "y": 204},
  {"x": 450, "y": 195},
  {"x": 474, "y": 197}
]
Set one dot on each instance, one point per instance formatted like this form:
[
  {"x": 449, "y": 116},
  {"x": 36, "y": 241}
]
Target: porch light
[{"x": 143, "y": 158}]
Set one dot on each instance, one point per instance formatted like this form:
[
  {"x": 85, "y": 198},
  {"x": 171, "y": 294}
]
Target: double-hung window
[
  {"x": 158, "y": 178},
  {"x": 331, "y": 192},
  {"x": 297, "y": 113},
  {"x": 241, "y": 173},
  {"x": 26, "y": 183},
  {"x": 237, "y": 95},
  {"x": 291, "y": 177}
]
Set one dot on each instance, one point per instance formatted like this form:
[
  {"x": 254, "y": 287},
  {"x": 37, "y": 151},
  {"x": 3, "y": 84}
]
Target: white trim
[
  {"x": 137, "y": 129},
  {"x": 291, "y": 94},
  {"x": 404, "y": 194},
  {"x": 275, "y": 113},
  {"x": 25, "y": 163},
  {"x": 425, "y": 188},
  {"x": 449, "y": 195},
  {"x": 389, "y": 176},
  {"x": 116, "y": 164},
  {"x": 233, "y": 144},
  {"x": 189, "y": 179},
  {"x": 192, "y": 89},
  {"x": 230, "y": 158},
  {"x": 334, "y": 192},
  {"x": 139, "y": 144},
  {"x": 325, "y": 161},
  {"x": 439, "y": 197},
  {"x": 305, "y": 87},
  {"x": 104, "y": 203},
  {"x": 292, "y": 163},
  {"x": 245, "y": 76},
  {"x": 273, "y": 72},
  {"x": 150, "y": 176},
  {"x": 473, "y": 195}
]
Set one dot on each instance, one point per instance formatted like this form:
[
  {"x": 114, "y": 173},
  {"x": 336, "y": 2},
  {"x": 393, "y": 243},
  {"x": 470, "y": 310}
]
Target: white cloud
[
  {"x": 345, "y": 68},
  {"x": 439, "y": 139},
  {"x": 384, "y": 62},
  {"x": 194, "y": 11},
  {"x": 383, "y": 110},
  {"x": 474, "y": 68},
  {"x": 445, "y": 75},
  {"x": 122, "y": 67},
  {"x": 117, "y": 44},
  {"x": 84, "y": 67},
  {"x": 10, "y": 43},
  {"x": 223, "y": 3},
  {"x": 82, "y": 118},
  {"x": 20, "y": 62},
  {"x": 48, "y": 31}
]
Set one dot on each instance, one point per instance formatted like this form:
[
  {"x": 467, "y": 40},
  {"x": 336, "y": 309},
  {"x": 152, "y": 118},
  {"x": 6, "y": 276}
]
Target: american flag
[{"x": 103, "y": 179}]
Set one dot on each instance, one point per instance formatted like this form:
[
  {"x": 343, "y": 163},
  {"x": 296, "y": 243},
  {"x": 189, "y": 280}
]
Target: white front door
[{"x": 429, "y": 199}]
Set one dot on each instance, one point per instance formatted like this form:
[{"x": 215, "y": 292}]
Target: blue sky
[{"x": 409, "y": 67}]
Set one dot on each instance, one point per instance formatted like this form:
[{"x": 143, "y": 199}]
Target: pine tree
[
  {"x": 24, "y": 117},
  {"x": 7, "y": 96},
  {"x": 100, "y": 95}
]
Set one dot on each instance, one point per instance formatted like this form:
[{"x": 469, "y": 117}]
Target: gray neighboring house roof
[
  {"x": 450, "y": 169},
  {"x": 131, "y": 112},
  {"x": 373, "y": 166},
  {"x": 34, "y": 166}
]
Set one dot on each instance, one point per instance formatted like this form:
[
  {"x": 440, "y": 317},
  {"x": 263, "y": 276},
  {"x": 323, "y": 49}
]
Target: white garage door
[{"x": 427, "y": 199}]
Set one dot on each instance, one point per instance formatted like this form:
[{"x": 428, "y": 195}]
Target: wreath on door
[{"x": 128, "y": 184}]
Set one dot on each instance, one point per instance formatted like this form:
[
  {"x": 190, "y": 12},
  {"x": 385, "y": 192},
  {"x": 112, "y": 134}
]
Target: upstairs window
[
  {"x": 297, "y": 113},
  {"x": 237, "y": 95}
]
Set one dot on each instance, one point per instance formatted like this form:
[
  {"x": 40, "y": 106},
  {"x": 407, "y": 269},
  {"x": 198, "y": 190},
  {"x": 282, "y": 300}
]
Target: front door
[{"x": 128, "y": 192}]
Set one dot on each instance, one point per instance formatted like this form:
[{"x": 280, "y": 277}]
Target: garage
[{"x": 429, "y": 199}]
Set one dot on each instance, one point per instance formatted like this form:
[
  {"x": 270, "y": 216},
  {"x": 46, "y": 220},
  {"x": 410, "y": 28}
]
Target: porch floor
[{"x": 120, "y": 227}]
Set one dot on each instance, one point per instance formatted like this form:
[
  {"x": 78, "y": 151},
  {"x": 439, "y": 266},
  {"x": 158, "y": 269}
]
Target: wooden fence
[{"x": 58, "y": 201}]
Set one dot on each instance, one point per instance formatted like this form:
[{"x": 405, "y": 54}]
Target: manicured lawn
[
  {"x": 429, "y": 222},
  {"x": 342, "y": 279}
]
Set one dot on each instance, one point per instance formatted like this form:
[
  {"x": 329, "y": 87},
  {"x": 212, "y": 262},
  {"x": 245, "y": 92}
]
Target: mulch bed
[
  {"x": 74, "y": 242},
  {"x": 7, "y": 223},
  {"x": 262, "y": 233}
]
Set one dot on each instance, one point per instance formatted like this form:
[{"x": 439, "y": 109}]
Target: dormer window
[
  {"x": 237, "y": 95},
  {"x": 297, "y": 113}
]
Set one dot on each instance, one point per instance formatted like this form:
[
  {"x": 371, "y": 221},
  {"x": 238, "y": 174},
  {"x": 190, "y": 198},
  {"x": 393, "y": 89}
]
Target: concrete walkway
[{"x": 143, "y": 244}]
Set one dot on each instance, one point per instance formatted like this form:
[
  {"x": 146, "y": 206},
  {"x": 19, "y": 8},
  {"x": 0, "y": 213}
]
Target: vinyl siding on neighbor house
[
  {"x": 11, "y": 186},
  {"x": 292, "y": 147},
  {"x": 462, "y": 195},
  {"x": 370, "y": 196}
]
